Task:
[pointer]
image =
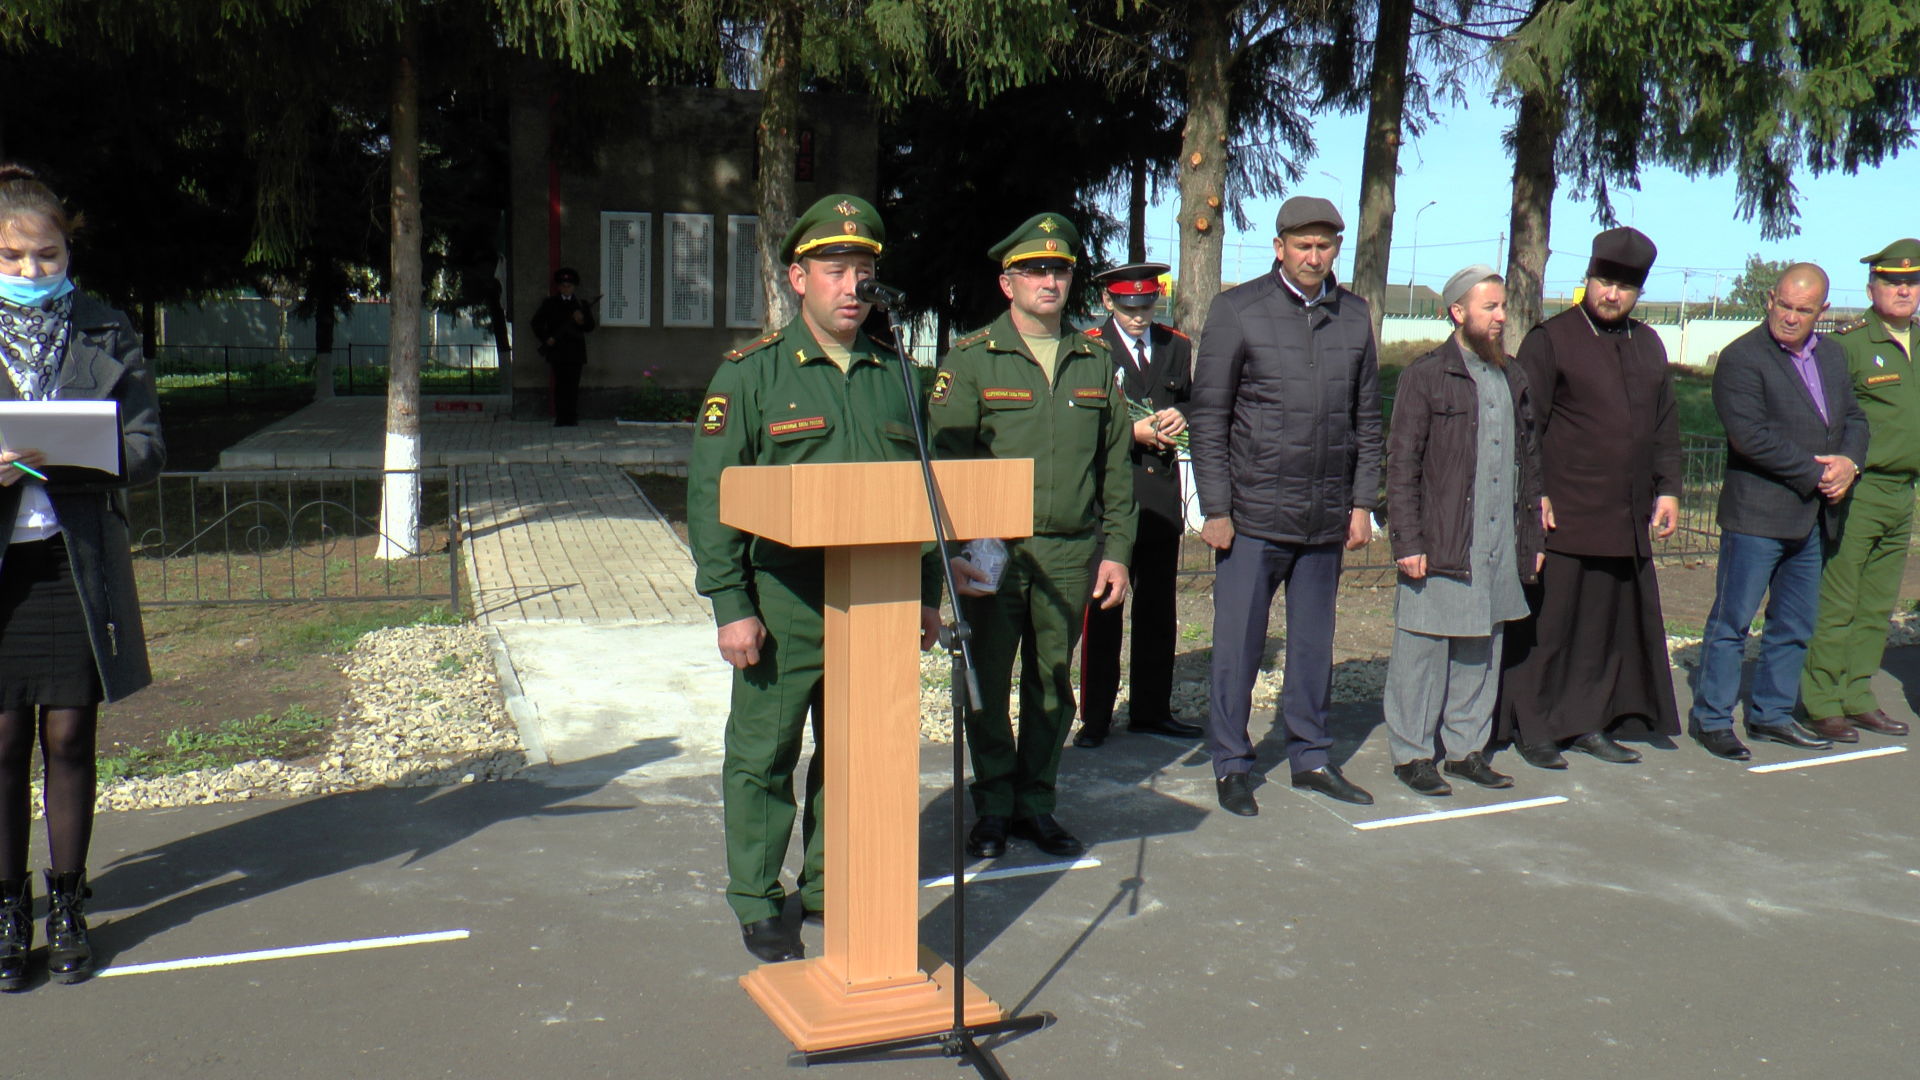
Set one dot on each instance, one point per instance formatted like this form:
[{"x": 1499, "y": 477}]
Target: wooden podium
[{"x": 873, "y": 981}]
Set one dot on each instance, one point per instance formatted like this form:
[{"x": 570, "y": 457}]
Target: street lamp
[{"x": 1413, "y": 263}]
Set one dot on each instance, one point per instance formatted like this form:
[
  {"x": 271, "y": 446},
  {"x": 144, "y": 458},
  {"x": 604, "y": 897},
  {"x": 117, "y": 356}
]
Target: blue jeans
[{"x": 1788, "y": 573}]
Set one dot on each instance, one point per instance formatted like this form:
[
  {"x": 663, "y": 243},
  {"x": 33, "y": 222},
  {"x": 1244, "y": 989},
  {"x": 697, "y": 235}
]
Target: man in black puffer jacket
[{"x": 1286, "y": 439}]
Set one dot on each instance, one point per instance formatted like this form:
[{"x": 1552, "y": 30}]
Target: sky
[{"x": 1461, "y": 167}]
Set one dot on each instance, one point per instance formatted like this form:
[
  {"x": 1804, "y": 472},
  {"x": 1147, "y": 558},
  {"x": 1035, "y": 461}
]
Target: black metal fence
[
  {"x": 282, "y": 536},
  {"x": 233, "y": 371},
  {"x": 1703, "y": 464}
]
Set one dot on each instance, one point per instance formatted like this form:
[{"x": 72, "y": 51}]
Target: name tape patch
[
  {"x": 1005, "y": 393},
  {"x": 788, "y": 427},
  {"x": 1876, "y": 380}
]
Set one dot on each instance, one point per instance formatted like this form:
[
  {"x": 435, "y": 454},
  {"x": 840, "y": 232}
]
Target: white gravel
[{"x": 424, "y": 708}]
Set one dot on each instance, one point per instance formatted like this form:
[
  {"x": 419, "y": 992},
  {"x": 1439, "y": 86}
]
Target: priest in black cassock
[{"x": 1592, "y": 661}]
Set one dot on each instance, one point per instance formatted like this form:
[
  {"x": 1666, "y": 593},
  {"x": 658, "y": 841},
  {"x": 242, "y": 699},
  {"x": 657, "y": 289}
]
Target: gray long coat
[{"x": 103, "y": 363}]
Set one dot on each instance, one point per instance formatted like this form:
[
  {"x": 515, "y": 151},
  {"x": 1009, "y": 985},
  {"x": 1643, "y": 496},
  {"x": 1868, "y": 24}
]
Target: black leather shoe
[
  {"x": 1327, "y": 781},
  {"x": 988, "y": 838},
  {"x": 1168, "y": 726},
  {"x": 16, "y": 933},
  {"x": 770, "y": 943},
  {"x": 1597, "y": 744},
  {"x": 69, "y": 953},
  {"x": 1723, "y": 743},
  {"x": 1420, "y": 775},
  {"x": 1787, "y": 734},
  {"x": 1048, "y": 835},
  {"x": 1474, "y": 768},
  {"x": 1088, "y": 739},
  {"x": 1235, "y": 791},
  {"x": 1541, "y": 755}
]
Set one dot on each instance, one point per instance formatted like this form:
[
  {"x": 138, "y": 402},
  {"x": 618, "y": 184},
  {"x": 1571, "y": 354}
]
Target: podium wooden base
[{"x": 816, "y": 1012}]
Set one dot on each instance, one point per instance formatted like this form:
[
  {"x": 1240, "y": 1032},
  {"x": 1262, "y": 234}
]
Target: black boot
[
  {"x": 16, "y": 933},
  {"x": 69, "y": 955}
]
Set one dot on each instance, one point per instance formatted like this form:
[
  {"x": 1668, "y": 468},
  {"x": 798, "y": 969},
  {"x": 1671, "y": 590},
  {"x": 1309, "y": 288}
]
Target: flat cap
[
  {"x": 1624, "y": 255},
  {"x": 1041, "y": 240},
  {"x": 1304, "y": 210},
  {"x": 1133, "y": 285},
  {"x": 836, "y": 225},
  {"x": 1898, "y": 258},
  {"x": 1460, "y": 284}
]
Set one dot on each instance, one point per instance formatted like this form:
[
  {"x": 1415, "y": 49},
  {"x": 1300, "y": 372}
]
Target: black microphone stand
[{"x": 957, "y": 1041}]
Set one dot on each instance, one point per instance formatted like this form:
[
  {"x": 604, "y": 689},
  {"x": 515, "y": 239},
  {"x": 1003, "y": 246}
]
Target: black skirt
[{"x": 45, "y": 655}]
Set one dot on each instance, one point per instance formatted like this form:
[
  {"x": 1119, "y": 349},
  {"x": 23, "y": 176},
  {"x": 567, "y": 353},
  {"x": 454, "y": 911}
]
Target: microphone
[{"x": 881, "y": 296}]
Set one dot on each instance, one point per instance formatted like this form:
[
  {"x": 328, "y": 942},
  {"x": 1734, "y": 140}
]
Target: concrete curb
[{"x": 526, "y": 715}]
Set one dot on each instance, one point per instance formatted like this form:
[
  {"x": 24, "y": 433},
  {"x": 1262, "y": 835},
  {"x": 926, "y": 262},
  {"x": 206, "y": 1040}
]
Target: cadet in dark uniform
[
  {"x": 1861, "y": 582},
  {"x": 1153, "y": 365},
  {"x": 818, "y": 390},
  {"x": 1022, "y": 388},
  {"x": 561, "y": 324}
]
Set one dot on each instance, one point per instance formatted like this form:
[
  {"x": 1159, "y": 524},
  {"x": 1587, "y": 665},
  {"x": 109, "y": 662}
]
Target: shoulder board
[
  {"x": 1092, "y": 331},
  {"x": 974, "y": 338},
  {"x": 1852, "y": 326},
  {"x": 1092, "y": 334},
  {"x": 1173, "y": 330},
  {"x": 742, "y": 352}
]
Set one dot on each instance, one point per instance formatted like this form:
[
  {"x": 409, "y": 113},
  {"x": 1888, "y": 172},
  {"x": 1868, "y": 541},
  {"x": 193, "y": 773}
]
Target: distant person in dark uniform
[
  {"x": 1592, "y": 661},
  {"x": 561, "y": 325},
  {"x": 1153, "y": 365}
]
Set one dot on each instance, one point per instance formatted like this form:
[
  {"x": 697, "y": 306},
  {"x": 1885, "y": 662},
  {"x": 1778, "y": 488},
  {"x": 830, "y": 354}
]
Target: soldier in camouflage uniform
[
  {"x": 1025, "y": 388},
  {"x": 817, "y": 390},
  {"x": 1861, "y": 582}
]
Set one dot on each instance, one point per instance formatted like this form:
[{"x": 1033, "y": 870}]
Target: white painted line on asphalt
[
  {"x": 946, "y": 881},
  {"x": 1448, "y": 815},
  {"x": 1878, "y": 751},
  {"x": 284, "y": 954}
]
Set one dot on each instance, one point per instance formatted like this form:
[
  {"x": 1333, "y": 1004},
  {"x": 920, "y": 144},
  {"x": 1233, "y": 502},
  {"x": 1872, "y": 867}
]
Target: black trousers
[
  {"x": 566, "y": 391},
  {"x": 1156, "y": 568}
]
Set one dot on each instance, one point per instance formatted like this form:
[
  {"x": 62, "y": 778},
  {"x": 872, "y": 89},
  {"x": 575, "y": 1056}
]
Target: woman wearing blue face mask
[{"x": 70, "y": 633}]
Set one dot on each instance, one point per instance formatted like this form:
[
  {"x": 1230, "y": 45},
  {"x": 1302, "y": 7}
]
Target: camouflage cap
[
  {"x": 836, "y": 225},
  {"x": 1902, "y": 257},
  {"x": 1048, "y": 237}
]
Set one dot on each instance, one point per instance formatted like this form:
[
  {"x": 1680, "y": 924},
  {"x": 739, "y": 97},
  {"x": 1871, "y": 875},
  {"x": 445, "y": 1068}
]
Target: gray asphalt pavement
[{"x": 1681, "y": 918}]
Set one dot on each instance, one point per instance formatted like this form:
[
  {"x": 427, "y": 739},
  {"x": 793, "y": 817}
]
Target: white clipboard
[{"x": 83, "y": 433}]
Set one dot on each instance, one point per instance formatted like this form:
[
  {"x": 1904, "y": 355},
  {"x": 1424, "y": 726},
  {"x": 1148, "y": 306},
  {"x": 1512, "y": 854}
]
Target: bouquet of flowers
[{"x": 1138, "y": 410}]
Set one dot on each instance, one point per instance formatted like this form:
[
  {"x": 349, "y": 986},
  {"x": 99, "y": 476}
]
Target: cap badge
[
  {"x": 849, "y": 227},
  {"x": 846, "y": 208},
  {"x": 1047, "y": 225},
  {"x": 1053, "y": 245}
]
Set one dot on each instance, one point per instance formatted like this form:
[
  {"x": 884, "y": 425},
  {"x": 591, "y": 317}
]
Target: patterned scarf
[{"x": 33, "y": 341}]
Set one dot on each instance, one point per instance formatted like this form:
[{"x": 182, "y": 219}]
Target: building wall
[{"x": 680, "y": 151}]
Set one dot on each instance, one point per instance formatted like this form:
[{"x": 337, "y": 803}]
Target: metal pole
[{"x": 1413, "y": 262}]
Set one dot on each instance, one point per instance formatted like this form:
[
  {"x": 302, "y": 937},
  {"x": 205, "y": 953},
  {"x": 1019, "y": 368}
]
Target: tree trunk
[
  {"x": 149, "y": 329},
  {"x": 1536, "y": 135},
  {"x": 779, "y": 142},
  {"x": 1203, "y": 163},
  {"x": 400, "y": 502},
  {"x": 1380, "y": 164},
  {"x": 325, "y": 316},
  {"x": 1137, "y": 213}
]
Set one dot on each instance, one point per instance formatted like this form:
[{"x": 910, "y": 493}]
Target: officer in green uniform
[
  {"x": 1861, "y": 582},
  {"x": 1024, "y": 388},
  {"x": 818, "y": 390}
]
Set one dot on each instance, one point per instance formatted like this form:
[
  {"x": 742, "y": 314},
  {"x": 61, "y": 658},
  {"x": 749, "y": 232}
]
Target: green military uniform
[
  {"x": 781, "y": 401},
  {"x": 992, "y": 398},
  {"x": 1861, "y": 582}
]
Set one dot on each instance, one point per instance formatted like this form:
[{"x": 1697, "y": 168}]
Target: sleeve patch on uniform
[
  {"x": 713, "y": 414},
  {"x": 1876, "y": 380},
  {"x": 1091, "y": 393},
  {"x": 942, "y": 386},
  {"x": 1007, "y": 393},
  {"x": 788, "y": 427}
]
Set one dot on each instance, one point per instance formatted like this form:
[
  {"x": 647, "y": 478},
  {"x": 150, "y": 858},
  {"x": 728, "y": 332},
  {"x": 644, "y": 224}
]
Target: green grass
[
  {"x": 261, "y": 736},
  {"x": 336, "y": 628}
]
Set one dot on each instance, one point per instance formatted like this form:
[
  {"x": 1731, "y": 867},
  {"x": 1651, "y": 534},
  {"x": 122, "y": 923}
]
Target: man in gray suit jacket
[{"x": 1795, "y": 438}]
